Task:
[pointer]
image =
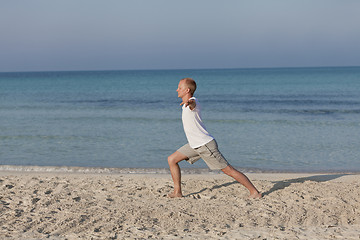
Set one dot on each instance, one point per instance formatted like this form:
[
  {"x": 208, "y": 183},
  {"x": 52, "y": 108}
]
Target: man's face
[{"x": 182, "y": 89}]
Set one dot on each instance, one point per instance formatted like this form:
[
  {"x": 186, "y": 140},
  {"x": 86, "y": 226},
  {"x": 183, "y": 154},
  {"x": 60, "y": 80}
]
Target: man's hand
[{"x": 191, "y": 103}]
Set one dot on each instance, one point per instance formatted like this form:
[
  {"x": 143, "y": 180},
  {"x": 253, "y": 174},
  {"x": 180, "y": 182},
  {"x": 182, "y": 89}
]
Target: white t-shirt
[{"x": 194, "y": 128}]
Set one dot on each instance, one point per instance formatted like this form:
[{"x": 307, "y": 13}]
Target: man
[{"x": 200, "y": 143}]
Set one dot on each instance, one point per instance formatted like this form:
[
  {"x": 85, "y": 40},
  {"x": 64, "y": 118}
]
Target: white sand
[{"x": 130, "y": 206}]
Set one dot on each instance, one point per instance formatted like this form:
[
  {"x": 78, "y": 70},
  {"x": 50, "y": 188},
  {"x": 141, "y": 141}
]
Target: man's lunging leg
[
  {"x": 173, "y": 161},
  {"x": 241, "y": 178}
]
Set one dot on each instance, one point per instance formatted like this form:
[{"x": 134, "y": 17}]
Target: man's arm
[{"x": 191, "y": 103}]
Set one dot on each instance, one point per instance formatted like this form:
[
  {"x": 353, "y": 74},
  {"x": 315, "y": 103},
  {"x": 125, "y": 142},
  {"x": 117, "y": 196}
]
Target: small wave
[
  {"x": 292, "y": 111},
  {"x": 292, "y": 101},
  {"x": 104, "y": 170},
  {"x": 71, "y": 169},
  {"x": 99, "y": 170},
  {"x": 116, "y": 102}
]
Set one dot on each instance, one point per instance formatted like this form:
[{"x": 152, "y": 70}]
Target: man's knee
[
  {"x": 175, "y": 158},
  {"x": 227, "y": 170},
  {"x": 170, "y": 159}
]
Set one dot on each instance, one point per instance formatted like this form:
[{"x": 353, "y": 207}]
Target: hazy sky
[{"x": 48, "y": 35}]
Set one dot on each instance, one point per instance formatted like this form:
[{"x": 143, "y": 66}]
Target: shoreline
[
  {"x": 128, "y": 170},
  {"x": 83, "y": 205}
]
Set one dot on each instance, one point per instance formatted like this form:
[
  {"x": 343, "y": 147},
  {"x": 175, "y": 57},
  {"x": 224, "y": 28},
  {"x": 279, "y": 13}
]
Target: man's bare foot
[
  {"x": 255, "y": 195},
  {"x": 175, "y": 195}
]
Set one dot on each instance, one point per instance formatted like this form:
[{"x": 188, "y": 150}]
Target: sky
[{"x": 43, "y": 35}]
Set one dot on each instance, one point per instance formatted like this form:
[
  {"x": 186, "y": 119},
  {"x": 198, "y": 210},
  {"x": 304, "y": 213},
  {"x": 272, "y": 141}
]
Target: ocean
[{"x": 275, "y": 119}]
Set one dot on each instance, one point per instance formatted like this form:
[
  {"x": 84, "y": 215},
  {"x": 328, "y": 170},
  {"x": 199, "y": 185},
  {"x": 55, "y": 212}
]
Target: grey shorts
[{"x": 208, "y": 152}]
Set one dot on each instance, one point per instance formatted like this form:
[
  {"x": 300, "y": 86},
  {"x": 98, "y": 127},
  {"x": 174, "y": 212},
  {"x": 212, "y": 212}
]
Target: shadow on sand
[
  {"x": 278, "y": 185},
  {"x": 213, "y": 188}
]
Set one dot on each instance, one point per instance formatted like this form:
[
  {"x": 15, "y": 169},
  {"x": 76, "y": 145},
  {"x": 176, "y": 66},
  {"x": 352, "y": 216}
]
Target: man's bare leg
[
  {"x": 173, "y": 161},
  {"x": 241, "y": 178}
]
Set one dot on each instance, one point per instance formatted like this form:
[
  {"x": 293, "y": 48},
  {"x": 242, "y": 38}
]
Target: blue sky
[{"x": 43, "y": 35}]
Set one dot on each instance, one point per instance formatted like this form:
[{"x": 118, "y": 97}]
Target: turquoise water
[{"x": 286, "y": 119}]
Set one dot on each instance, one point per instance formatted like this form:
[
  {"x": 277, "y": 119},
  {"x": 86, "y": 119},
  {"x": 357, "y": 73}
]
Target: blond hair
[{"x": 190, "y": 83}]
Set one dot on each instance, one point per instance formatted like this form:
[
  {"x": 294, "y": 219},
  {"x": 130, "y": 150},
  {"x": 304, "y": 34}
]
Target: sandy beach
[{"x": 37, "y": 205}]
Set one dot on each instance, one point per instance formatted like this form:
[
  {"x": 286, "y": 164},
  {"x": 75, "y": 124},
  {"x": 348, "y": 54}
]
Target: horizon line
[{"x": 177, "y": 69}]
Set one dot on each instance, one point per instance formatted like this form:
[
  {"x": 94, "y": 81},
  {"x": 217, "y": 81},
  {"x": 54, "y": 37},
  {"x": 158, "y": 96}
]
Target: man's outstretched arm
[{"x": 191, "y": 103}]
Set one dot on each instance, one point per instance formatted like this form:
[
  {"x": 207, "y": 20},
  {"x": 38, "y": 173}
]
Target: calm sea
[{"x": 285, "y": 119}]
